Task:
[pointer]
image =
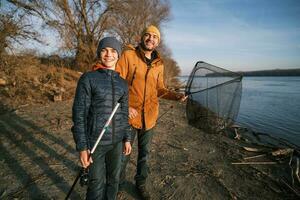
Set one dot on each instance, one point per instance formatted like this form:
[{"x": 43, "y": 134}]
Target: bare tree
[
  {"x": 14, "y": 29},
  {"x": 80, "y": 23},
  {"x": 171, "y": 72},
  {"x": 130, "y": 17}
]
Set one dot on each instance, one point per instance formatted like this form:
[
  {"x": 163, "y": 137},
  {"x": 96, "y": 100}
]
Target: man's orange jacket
[{"x": 145, "y": 84}]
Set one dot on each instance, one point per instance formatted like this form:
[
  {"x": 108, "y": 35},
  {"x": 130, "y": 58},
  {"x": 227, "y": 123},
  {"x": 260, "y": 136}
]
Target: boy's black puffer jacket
[{"x": 96, "y": 95}]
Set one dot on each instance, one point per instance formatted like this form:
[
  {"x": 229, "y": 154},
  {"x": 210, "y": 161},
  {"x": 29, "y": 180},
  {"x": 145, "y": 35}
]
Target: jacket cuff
[
  {"x": 126, "y": 140},
  {"x": 81, "y": 148}
]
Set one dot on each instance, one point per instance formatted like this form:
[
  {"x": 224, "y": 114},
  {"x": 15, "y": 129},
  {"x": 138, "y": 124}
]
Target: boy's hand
[
  {"x": 85, "y": 158},
  {"x": 127, "y": 148}
]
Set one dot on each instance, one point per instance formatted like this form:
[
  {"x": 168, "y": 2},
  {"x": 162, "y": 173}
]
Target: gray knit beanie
[{"x": 111, "y": 42}]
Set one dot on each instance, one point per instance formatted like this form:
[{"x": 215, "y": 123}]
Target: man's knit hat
[
  {"x": 152, "y": 29},
  {"x": 111, "y": 42}
]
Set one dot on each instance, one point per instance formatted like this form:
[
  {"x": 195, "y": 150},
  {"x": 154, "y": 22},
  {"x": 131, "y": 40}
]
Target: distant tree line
[
  {"x": 275, "y": 72},
  {"x": 80, "y": 24}
]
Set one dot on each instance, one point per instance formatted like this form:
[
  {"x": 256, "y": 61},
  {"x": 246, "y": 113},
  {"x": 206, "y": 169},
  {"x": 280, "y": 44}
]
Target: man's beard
[{"x": 146, "y": 48}]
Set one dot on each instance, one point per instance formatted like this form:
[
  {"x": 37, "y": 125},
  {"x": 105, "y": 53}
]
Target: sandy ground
[{"x": 38, "y": 160}]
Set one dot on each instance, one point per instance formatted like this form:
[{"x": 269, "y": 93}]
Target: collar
[
  {"x": 100, "y": 66},
  {"x": 155, "y": 57},
  {"x": 103, "y": 69}
]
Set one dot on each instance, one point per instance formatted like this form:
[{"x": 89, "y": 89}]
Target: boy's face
[
  {"x": 150, "y": 41},
  {"x": 109, "y": 57}
]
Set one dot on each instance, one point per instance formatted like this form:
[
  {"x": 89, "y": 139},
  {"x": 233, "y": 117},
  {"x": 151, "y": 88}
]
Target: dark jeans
[
  {"x": 144, "y": 140},
  {"x": 104, "y": 172}
]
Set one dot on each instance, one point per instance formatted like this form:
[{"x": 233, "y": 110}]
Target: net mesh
[{"x": 214, "y": 97}]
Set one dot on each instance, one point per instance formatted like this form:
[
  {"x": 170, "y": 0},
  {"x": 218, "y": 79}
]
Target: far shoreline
[{"x": 274, "y": 72}]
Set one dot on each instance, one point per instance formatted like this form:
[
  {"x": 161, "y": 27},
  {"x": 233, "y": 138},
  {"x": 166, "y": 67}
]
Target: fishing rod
[
  {"x": 168, "y": 110},
  {"x": 163, "y": 114},
  {"x": 83, "y": 173},
  {"x": 171, "y": 107},
  {"x": 181, "y": 85}
]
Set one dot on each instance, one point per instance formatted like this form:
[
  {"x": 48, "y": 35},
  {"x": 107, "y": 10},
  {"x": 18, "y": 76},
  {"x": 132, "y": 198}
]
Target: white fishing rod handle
[{"x": 105, "y": 127}]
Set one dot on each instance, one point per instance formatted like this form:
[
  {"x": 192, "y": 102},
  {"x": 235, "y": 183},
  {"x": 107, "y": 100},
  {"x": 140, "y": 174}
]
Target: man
[
  {"x": 143, "y": 69},
  {"x": 96, "y": 95}
]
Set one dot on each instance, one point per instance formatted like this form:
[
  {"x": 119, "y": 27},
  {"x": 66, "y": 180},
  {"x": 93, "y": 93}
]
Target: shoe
[{"x": 144, "y": 193}]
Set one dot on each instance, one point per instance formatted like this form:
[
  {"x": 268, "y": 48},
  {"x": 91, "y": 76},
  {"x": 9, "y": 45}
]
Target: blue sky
[{"x": 239, "y": 35}]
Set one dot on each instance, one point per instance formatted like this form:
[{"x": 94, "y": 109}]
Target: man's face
[
  {"x": 150, "y": 41},
  {"x": 109, "y": 57}
]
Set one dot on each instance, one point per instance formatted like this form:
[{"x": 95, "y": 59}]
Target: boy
[{"x": 96, "y": 95}]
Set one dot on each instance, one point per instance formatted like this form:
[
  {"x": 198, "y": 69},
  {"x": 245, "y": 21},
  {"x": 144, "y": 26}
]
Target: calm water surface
[{"x": 272, "y": 105}]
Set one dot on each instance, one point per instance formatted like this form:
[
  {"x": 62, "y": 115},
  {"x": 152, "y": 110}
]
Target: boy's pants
[{"x": 104, "y": 172}]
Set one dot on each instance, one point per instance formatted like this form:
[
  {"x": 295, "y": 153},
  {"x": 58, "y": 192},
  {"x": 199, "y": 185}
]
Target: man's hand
[
  {"x": 85, "y": 158},
  {"x": 183, "y": 99},
  {"x": 132, "y": 113},
  {"x": 127, "y": 148}
]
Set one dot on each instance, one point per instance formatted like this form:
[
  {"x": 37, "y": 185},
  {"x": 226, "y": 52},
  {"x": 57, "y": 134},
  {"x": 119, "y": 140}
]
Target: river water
[{"x": 271, "y": 105}]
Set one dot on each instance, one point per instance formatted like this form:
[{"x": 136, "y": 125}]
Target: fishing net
[{"x": 214, "y": 97}]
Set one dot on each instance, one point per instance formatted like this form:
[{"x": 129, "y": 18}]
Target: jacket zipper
[
  {"x": 143, "y": 111},
  {"x": 112, "y": 107}
]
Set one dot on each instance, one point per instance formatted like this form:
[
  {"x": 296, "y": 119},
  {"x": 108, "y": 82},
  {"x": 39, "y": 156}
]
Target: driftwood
[
  {"x": 237, "y": 135},
  {"x": 257, "y": 156},
  {"x": 251, "y": 149},
  {"x": 235, "y": 126},
  {"x": 294, "y": 162},
  {"x": 281, "y": 152},
  {"x": 289, "y": 151}
]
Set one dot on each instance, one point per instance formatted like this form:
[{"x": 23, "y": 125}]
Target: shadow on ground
[{"x": 35, "y": 163}]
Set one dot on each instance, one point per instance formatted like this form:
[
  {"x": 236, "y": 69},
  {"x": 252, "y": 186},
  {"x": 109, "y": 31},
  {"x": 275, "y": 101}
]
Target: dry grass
[{"x": 28, "y": 81}]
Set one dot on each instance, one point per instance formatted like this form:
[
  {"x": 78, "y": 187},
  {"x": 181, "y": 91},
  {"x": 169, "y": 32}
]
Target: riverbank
[{"x": 38, "y": 160}]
